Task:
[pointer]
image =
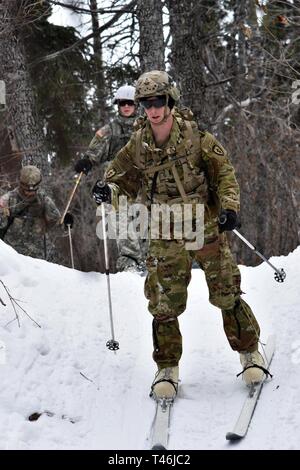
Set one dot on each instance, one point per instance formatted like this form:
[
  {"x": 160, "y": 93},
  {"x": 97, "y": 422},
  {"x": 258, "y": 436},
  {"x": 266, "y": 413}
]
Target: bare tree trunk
[
  {"x": 261, "y": 145},
  {"x": 98, "y": 61},
  {"x": 152, "y": 48},
  {"x": 186, "y": 27},
  {"x": 20, "y": 117}
]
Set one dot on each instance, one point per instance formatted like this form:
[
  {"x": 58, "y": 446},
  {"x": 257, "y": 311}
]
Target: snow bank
[{"x": 87, "y": 397}]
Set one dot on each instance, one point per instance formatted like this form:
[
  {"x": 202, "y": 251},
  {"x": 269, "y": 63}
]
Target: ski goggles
[
  {"x": 157, "y": 102},
  {"x": 126, "y": 102}
]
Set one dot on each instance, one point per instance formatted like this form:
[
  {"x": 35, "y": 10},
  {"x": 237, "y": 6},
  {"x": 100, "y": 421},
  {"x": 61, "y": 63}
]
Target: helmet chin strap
[
  {"x": 24, "y": 197},
  {"x": 166, "y": 114}
]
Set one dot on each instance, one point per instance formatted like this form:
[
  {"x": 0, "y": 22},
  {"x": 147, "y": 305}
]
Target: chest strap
[
  {"x": 179, "y": 184},
  {"x": 164, "y": 166},
  {"x": 192, "y": 136}
]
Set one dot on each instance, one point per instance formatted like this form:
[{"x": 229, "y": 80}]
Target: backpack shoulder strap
[{"x": 138, "y": 146}]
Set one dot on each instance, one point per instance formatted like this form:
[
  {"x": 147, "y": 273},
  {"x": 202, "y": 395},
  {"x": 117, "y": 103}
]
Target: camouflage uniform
[
  {"x": 191, "y": 166},
  {"x": 102, "y": 149},
  {"x": 28, "y": 221},
  {"x": 109, "y": 140}
]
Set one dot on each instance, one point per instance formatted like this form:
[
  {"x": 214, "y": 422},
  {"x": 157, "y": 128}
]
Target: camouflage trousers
[
  {"x": 169, "y": 272},
  {"x": 132, "y": 252}
]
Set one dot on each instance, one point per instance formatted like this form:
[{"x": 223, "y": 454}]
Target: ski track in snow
[{"x": 93, "y": 398}]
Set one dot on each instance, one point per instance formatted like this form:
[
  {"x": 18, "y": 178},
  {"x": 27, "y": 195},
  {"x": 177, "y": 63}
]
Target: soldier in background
[
  {"x": 27, "y": 214},
  {"x": 102, "y": 149}
]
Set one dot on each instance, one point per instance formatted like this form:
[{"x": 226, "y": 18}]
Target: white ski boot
[
  {"x": 251, "y": 373},
  {"x": 165, "y": 383}
]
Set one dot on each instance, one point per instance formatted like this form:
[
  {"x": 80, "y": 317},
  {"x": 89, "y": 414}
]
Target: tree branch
[
  {"x": 54, "y": 55},
  {"x": 87, "y": 11},
  {"x": 1, "y": 301},
  {"x": 14, "y": 302},
  {"x": 219, "y": 82}
]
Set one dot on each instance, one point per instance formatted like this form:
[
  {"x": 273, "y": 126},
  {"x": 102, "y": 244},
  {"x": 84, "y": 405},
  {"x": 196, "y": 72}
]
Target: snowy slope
[{"x": 98, "y": 399}]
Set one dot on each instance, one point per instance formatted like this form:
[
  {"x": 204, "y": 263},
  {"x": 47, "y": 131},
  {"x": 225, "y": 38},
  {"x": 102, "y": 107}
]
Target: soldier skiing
[{"x": 172, "y": 160}]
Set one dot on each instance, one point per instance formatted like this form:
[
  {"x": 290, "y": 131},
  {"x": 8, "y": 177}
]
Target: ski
[
  {"x": 161, "y": 423},
  {"x": 241, "y": 426}
]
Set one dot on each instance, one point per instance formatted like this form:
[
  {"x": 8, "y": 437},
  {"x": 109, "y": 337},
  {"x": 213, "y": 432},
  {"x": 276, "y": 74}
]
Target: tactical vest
[
  {"x": 121, "y": 131},
  {"x": 173, "y": 174}
]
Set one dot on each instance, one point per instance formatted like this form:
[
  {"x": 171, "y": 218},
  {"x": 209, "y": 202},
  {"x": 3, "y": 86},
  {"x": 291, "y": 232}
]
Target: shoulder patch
[
  {"x": 102, "y": 132},
  {"x": 217, "y": 149},
  {"x": 110, "y": 173},
  {"x": 4, "y": 208},
  {"x": 4, "y": 202}
]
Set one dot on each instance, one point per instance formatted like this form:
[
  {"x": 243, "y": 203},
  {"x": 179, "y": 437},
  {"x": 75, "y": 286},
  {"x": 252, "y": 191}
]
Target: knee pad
[{"x": 224, "y": 302}]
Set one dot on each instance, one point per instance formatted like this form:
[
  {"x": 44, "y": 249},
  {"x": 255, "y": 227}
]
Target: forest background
[{"x": 236, "y": 62}]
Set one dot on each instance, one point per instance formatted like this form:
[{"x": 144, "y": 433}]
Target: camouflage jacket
[
  {"x": 27, "y": 221},
  {"x": 110, "y": 139},
  {"x": 192, "y": 165}
]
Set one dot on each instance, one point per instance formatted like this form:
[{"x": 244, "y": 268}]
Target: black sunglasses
[
  {"x": 126, "y": 102},
  {"x": 158, "y": 102}
]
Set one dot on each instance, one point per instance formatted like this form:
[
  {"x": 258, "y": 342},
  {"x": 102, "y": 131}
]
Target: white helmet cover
[{"x": 125, "y": 92}]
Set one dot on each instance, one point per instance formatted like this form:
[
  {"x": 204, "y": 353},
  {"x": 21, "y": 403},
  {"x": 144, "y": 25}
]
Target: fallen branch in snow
[
  {"x": 1, "y": 301},
  {"x": 90, "y": 380},
  {"x": 15, "y": 303}
]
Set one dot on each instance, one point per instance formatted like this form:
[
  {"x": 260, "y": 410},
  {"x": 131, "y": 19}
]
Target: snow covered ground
[{"x": 93, "y": 398}]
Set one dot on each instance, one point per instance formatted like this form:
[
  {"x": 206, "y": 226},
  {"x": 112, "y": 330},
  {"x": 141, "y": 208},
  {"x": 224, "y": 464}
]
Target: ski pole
[
  {"x": 71, "y": 245},
  {"x": 112, "y": 344},
  {"x": 279, "y": 275},
  {"x": 71, "y": 197},
  {"x": 45, "y": 247},
  {"x": 68, "y": 223}
]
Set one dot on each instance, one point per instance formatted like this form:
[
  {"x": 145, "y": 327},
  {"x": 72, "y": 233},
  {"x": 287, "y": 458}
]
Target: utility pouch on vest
[{"x": 179, "y": 170}]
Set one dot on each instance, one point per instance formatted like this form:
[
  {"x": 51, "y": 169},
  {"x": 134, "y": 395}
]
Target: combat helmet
[
  {"x": 30, "y": 177},
  {"x": 155, "y": 83}
]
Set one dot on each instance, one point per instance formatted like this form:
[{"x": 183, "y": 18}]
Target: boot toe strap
[
  {"x": 175, "y": 384},
  {"x": 267, "y": 373}
]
